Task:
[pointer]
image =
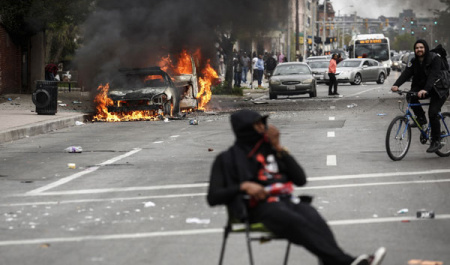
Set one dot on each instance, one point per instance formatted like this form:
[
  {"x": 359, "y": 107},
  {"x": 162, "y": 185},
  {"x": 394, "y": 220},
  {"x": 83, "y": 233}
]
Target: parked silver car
[
  {"x": 319, "y": 67},
  {"x": 292, "y": 78},
  {"x": 356, "y": 71}
]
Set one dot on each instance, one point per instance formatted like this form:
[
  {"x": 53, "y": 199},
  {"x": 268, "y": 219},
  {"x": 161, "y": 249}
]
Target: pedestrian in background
[
  {"x": 245, "y": 61},
  {"x": 237, "y": 71},
  {"x": 270, "y": 65},
  {"x": 332, "y": 76},
  {"x": 254, "y": 68},
  {"x": 260, "y": 69}
]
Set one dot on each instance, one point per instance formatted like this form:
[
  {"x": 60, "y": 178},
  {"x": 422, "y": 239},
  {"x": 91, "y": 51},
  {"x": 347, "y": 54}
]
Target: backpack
[{"x": 442, "y": 83}]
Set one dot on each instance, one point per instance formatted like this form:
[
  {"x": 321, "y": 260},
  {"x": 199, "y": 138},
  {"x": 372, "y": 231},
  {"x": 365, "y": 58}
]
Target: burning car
[{"x": 144, "y": 89}]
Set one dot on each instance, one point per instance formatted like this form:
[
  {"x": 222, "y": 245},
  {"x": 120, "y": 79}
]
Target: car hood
[
  {"x": 291, "y": 77},
  {"x": 135, "y": 94},
  {"x": 347, "y": 69},
  {"x": 319, "y": 69}
]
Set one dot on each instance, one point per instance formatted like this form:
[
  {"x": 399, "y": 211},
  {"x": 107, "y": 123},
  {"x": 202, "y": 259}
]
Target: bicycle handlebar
[{"x": 400, "y": 92}]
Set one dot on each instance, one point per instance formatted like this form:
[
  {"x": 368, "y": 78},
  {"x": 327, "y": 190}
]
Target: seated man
[{"x": 258, "y": 167}]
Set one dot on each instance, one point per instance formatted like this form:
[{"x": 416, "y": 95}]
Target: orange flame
[{"x": 184, "y": 66}]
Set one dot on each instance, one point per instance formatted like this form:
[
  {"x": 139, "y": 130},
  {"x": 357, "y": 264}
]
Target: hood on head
[
  {"x": 425, "y": 44},
  {"x": 242, "y": 123}
]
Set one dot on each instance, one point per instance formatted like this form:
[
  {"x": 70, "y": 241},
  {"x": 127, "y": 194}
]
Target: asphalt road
[{"x": 137, "y": 194}]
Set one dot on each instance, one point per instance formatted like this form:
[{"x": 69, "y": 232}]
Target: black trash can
[{"x": 45, "y": 97}]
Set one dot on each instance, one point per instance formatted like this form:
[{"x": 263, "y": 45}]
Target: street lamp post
[{"x": 324, "y": 25}]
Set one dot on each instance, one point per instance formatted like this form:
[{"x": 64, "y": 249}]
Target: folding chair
[{"x": 234, "y": 225}]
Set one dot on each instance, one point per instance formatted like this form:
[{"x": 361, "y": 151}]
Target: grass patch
[{"x": 222, "y": 89}]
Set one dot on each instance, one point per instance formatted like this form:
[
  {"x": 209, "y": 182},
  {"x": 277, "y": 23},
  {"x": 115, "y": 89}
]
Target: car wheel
[
  {"x": 357, "y": 80},
  {"x": 381, "y": 79},
  {"x": 167, "y": 108},
  {"x": 313, "y": 94},
  {"x": 272, "y": 96}
]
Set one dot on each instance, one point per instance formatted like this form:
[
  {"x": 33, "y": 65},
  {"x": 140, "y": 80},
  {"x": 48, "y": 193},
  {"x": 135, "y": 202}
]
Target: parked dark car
[{"x": 293, "y": 78}]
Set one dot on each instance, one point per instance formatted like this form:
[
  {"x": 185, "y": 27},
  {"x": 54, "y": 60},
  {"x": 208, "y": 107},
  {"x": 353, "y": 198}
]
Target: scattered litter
[
  {"x": 197, "y": 221},
  {"x": 403, "y": 211},
  {"x": 166, "y": 120},
  {"x": 210, "y": 149},
  {"x": 45, "y": 245},
  {"x": 375, "y": 216},
  {"x": 425, "y": 214},
  {"x": 9, "y": 99},
  {"x": 59, "y": 101},
  {"x": 381, "y": 114},
  {"x": 62, "y": 105},
  {"x": 78, "y": 123},
  {"x": 74, "y": 149},
  {"x": 26, "y": 181},
  {"x": 352, "y": 105},
  {"x": 193, "y": 122},
  {"x": 149, "y": 204},
  {"x": 76, "y": 102},
  {"x": 260, "y": 102},
  {"x": 405, "y": 221},
  {"x": 71, "y": 165}
]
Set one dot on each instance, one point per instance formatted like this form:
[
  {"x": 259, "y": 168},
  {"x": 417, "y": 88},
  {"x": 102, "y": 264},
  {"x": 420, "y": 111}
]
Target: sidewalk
[{"x": 18, "y": 118}]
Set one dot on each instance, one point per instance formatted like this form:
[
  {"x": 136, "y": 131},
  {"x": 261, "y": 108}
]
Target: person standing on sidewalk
[
  {"x": 260, "y": 69},
  {"x": 332, "y": 75},
  {"x": 246, "y": 61}
]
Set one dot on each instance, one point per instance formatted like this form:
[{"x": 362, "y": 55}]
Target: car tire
[
  {"x": 381, "y": 79},
  {"x": 167, "y": 108},
  {"x": 313, "y": 94},
  {"x": 357, "y": 80},
  {"x": 272, "y": 96}
]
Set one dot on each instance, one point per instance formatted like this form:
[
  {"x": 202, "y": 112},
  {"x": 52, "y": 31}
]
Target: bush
[{"x": 222, "y": 89}]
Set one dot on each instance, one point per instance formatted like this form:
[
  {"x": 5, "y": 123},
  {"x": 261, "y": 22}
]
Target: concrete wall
[{"x": 10, "y": 64}]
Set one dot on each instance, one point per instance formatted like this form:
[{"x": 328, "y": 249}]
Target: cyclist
[{"x": 425, "y": 68}]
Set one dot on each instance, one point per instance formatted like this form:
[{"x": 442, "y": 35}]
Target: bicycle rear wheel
[
  {"x": 398, "y": 138},
  {"x": 445, "y": 141}
]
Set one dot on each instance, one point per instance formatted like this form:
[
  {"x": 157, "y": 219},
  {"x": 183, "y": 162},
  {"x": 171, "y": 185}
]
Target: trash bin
[{"x": 45, "y": 97}]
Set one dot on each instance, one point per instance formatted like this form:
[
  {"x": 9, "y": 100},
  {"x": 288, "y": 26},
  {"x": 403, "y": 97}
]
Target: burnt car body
[
  {"x": 144, "y": 89},
  {"x": 355, "y": 71}
]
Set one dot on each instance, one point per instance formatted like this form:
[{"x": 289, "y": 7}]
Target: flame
[{"x": 184, "y": 66}]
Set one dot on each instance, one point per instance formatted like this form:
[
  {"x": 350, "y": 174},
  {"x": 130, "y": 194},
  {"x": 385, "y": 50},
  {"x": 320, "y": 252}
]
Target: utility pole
[
  {"x": 324, "y": 25},
  {"x": 289, "y": 31},
  {"x": 313, "y": 24},
  {"x": 297, "y": 30}
]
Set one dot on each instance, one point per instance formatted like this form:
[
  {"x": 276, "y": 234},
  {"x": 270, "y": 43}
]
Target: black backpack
[{"x": 442, "y": 84}]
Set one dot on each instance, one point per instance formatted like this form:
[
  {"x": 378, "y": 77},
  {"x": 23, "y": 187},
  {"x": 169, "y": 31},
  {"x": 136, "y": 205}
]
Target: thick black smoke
[{"x": 136, "y": 33}]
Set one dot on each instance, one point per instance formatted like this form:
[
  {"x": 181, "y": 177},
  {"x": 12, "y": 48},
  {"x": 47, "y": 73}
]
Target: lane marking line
[
  {"x": 197, "y": 231},
  {"x": 204, "y": 194},
  {"x": 331, "y": 160},
  {"x": 331, "y": 134},
  {"x": 200, "y": 185},
  {"x": 82, "y": 173},
  {"x": 362, "y": 92},
  {"x": 331, "y": 118}
]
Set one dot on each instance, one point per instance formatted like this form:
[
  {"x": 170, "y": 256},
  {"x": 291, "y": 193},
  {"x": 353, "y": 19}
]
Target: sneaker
[
  {"x": 361, "y": 260},
  {"x": 378, "y": 256},
  {"x": 336, "y": 94},
  {"x": 330, "y": 94},
  {"x": 434, "y": 146}
]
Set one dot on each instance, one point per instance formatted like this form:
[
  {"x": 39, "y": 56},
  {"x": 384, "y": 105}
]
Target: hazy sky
[{"x": 389, "y": 8}]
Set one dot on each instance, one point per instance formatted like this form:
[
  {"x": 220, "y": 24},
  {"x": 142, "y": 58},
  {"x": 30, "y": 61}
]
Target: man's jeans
[{"x": 244, "y": 74}]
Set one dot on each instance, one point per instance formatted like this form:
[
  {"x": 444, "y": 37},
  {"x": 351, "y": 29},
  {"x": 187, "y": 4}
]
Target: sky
[{"x": 388, "y": 8}]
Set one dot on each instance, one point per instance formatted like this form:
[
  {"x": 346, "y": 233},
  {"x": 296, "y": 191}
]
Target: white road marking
[
  {"x": 82, "y": 173},
  {"x": 158, "y": 142},
  {"x": 200, "y": 185},
  {"x": 331, "y": 118},
  {"x": 331, "y": 134},
  {"x": 174, "y": 136},
  {"x": 364, "y": 91},
  {"x": 75, "y": 239},
  {"x": 331, "y": 160},
  {"x": 374, "y": 184}
]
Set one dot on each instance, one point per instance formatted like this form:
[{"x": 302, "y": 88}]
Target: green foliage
[
  {"x": 223, "y": 89},
  {"x": 404, "y": 42}
]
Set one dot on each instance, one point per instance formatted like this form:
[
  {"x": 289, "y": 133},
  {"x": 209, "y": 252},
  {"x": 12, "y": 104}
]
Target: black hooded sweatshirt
[
  {"x": 240, "y": 163},
  {"x": 424, "y": 73}
]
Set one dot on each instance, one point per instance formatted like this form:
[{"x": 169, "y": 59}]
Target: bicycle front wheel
[
  {"x": 445, "y": 142},
  {"x": 398, "y": 138}
]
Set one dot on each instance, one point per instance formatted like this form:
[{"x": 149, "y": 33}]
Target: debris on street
[{"x": 74, "y": 149}]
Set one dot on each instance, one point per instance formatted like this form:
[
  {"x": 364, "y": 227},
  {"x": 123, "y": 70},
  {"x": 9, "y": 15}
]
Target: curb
[{"x": 40, "y": 128}]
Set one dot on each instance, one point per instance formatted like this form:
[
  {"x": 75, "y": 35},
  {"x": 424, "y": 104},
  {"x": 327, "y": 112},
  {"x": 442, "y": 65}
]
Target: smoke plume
[{"x": 136, "y": 33}]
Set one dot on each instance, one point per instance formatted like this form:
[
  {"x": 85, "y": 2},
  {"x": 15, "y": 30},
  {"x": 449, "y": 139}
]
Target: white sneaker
[
  {"x": 378, "y": 256},
  {"x": 361, "y": 260}
]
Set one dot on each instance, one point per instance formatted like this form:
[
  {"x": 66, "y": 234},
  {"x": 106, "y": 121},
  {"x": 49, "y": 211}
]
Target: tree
[
  {"x": 59, "y": 19},
  {"x": 404, "y": 42},
  {"x": 441, "y": 29}
]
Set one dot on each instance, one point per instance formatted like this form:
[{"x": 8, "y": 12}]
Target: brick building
[{"x": 10, "y": 64}]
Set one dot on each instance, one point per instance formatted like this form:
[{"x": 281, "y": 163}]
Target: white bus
[{"x": 375, "y": 46}]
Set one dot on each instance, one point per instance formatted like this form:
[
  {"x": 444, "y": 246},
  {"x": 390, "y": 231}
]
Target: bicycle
[{"x": 398, "y": 136}]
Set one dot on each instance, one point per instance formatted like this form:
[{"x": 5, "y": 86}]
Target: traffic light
[
  {"x": 387, "y": 22},
  {"x": 403, "y": 27},
  {"x": 424, "y": 27},
  {"x": 412, "y": 32},
  {"x": 435, "y": 22}
]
